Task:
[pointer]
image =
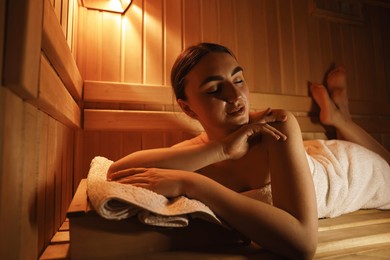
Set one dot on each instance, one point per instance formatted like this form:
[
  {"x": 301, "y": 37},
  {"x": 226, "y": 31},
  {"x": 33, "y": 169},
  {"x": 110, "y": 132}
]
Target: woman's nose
[{"x": 232, "y": 93}]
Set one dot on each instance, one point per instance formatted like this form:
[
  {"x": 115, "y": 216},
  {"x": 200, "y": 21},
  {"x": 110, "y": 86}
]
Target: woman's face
[{"x": 217, "y": 95}]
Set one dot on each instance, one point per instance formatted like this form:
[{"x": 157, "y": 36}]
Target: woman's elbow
[
  {"x": 307, "y": 251},
  {"x": 307, "y": 247}
]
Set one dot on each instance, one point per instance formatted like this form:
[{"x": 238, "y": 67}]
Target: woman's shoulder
[{"x": 258, "y": 115}]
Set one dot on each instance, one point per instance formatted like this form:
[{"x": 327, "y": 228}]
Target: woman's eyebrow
[
  {"x": 219, "y": 78},
  {"x": 236, "y": 70}
]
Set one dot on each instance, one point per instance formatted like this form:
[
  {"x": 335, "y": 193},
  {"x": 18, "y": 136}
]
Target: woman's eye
[
  {"x": 212, "y": 91},
  {"x": 239, "y": 81}
]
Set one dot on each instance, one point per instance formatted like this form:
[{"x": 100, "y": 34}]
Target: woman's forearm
[
  {"x": 269, "y": 226},
  {"x": 187, "y": 158}
]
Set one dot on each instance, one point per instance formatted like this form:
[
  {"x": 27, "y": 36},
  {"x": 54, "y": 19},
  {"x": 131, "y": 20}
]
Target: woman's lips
[{"x": 237, "y": 111}]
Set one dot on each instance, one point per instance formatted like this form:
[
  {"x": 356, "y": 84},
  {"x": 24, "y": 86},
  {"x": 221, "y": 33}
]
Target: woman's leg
[{"x": 334, "y": 111}]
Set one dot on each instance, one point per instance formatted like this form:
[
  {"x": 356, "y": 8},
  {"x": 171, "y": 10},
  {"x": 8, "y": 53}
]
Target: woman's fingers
[
  {"x": 269, "y": 116},
  {"x": 133, "y": 179},
  {"x": 267, "y": 129},
  {"x": 276, "y": 132},
  {"x": 123, "y": 173}
]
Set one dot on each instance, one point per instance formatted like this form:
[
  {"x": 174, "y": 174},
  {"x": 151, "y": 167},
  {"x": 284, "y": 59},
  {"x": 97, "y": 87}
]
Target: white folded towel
[{"x": 113, "y": 200}]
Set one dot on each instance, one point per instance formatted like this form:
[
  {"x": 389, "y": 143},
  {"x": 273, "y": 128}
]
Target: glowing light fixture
[{"x": 117, "y": 6}]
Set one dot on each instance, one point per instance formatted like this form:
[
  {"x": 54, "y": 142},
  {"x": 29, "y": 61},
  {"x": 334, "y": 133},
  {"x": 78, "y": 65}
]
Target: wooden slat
[
  {"x": 132, "y": 28},
  {"x": 125, "y": 120},
  {"x": 57, "y": 50},
  {"x": 56, "y": 251},
  {"x": 27, "y": 204},
  {"x": 172, "y": 30},
  {"x": 11, "y": 151},
  {"x": 365, "y": 252},
  {"x": 153, "y": 42},
  {"x": 336, "y": 240},
  {"x": 50, "y": 207},
  {"x": 22, "y": 47},
  {"x": 138, "y": 121},
  {"x": 43, "y": 140},
  {"x": 60, "y": 237},
  {"x": 95, "y": 119},
  {"x": 191, "y": 15},
  {"x": 353, "y": 233},
  {"x": 2, "y": 35},
  {"x": 110, "y": 47},
  {"x": 58, "y": 191},
  {"x": 365, "y": 218},
  {"x": 78, "y": 206},
  {"x": 100, "y": 91},
  {"x": 65, "y": 225},
  {"x": 54, "y": 99}
]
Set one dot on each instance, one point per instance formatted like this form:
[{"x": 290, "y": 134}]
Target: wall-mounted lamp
[{"x": 117, "y": 6}]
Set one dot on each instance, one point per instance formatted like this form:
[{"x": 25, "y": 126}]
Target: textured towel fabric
[
  {"x": 347, "y": 177},
  {"x": 113, "y": 200}
]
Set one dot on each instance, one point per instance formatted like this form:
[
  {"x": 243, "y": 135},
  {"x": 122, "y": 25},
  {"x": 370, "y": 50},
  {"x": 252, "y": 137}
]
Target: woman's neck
[{"x": 219, "y": 134}]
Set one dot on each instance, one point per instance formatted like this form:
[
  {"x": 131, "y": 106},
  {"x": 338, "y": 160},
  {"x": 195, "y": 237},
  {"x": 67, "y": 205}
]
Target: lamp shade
[{"x": 117, "y": 6}]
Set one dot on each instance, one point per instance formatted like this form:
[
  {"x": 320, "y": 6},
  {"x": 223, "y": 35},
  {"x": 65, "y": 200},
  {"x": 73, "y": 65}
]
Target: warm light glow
[{"x": 117, "y": 6}]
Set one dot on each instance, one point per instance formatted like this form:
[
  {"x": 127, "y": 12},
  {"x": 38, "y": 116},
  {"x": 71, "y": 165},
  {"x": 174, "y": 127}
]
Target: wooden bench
[{"x": 364, "y": 234}]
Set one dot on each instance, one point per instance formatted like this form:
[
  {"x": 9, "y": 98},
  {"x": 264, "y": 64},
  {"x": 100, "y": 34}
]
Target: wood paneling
[
  {"x": 54, "y": 98},
  {"x": 32, "y": 195},
  {"x": 2, "y": 32},
  {"x": 113, "y": 92},
  {"x": 56, "y": 49},
  {"x": 99, "y": 119},
  {"x": 22, "y": 47},
  {"x": 280, "y": 45},
  {"x": 37, "y": 117}
]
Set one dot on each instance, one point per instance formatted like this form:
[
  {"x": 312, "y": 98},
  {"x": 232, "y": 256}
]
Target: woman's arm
[
  {"x": 191, "y": 157},
  {"x": 288, "y": 228},
  {"x": 188, "y": 158}
]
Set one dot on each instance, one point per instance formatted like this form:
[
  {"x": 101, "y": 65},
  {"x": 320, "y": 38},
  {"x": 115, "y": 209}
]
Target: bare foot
[
  {"x": 337, "y": 86},
  {"x": 329, "y": 113}
]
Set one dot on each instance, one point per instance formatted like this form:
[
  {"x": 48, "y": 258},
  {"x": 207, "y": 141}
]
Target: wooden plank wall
[
  {"x": 37, "y": 124},
  {"x": 280, "y": 44}
]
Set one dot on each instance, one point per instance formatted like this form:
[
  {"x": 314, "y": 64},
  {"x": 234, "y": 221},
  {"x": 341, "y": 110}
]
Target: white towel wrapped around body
[
  {"x": 347, "y": 177},
  {"x": 113, "y": 200}
]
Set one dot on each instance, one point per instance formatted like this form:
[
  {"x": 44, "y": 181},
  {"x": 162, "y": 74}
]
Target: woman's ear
[{"x": 186, "y": 108}]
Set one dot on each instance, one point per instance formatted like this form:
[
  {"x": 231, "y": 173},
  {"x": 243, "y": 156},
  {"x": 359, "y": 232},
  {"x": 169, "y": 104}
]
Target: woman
[{"x": 238, "y": 151}]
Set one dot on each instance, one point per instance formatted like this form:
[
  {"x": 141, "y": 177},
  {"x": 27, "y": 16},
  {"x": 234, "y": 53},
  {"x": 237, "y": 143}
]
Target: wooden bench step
[
  {"x": 358, "y": 218},
  {"x": 354, "y": 233},
  {"x": 56, "y": 251}
]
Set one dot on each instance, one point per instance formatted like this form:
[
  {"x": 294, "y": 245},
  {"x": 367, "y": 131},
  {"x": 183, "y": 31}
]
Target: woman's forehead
[{"x": 213, "y": 64}]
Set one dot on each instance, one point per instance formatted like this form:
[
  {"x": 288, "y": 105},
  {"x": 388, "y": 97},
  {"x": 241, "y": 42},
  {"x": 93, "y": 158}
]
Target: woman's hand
[
  {"x": 236, "y": 145},
  {"x": 267, "y": 116},
  {"x": 167, "y": 182}
]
